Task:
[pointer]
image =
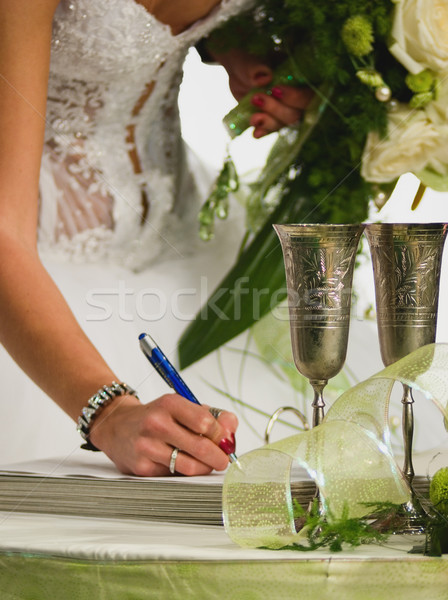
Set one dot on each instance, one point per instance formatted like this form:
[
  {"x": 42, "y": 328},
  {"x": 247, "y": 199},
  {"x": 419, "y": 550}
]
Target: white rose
[
  {"x": 437, "y": 110},
  {"x": 420, "y": 34},
  {"x": 435, "y": 175},
  {"x": 414, "y": 143}
]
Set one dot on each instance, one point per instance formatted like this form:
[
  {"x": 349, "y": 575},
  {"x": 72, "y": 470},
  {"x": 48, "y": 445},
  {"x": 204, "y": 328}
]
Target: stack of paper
[{"x": 89, "y": 485}]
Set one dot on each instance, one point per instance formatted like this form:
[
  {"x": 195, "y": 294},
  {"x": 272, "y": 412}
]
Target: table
[{"x": 46, "y": 557}]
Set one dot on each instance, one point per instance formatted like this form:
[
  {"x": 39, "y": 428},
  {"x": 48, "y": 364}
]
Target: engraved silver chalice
[
  {"x": 406, "y": 264},
  {"x": 319, "y": 262}
]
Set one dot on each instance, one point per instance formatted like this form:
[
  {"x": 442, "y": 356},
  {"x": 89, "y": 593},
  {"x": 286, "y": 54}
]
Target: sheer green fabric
[
  {"x": 355, "y": 577},
  {"x": 349, "y": 456}
]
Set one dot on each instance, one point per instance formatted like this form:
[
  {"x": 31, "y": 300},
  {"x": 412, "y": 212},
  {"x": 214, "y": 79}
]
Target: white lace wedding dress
[{"x": 118, "y": 221}]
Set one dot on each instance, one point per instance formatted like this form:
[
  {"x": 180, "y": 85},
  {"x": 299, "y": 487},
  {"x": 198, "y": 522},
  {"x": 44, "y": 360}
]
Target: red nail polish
[
  {"x": 277, "y": 92},
  {"x": 258, "y": 101},
  {"x": 228, "y": 446}
]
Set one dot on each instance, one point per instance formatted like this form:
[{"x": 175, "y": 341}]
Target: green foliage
[
  {"x": 311, "y": 32},
  {"x": 424, "y": 85},
  {"x": 437, "y": 530},
  {"x": 437, "y": 538},
  {"x": 438, "y": 491},
  {"x": 324, "y": 530},
  {"x": 357, "y": 35},
  {"x": 420, "y": 82},
  {"x": 317, "y": 24},
  {"x": 217, "y": 202},
  {"x": 319, "y": 529}
]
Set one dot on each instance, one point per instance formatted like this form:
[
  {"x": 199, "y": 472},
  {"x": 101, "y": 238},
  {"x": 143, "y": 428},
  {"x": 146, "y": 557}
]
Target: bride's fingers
[
  {"x": 180, "y": 423},
  {"x": 226, "y": 419},
  {"x": 286, "y": 115},
  {"x": 294, "y": 97},
  {"x": 264, "y": 124},
  {"x": 184, "y": 464},
  {"x": 198, "y": 419},
  {"x": 283, "y": 106},
  {"x": 198, "y": 447},
  {"x": 140, "y": 438},
  {"x": 156, "y": 459}
]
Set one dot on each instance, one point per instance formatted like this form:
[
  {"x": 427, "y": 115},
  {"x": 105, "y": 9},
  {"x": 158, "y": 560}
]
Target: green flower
[
  {"x": 357, "y": 35},
  {"x": 420, "y": 100},
  {"x": 438, "y": 490},
  {"x": 420, "y": 82},
  {"x": 370, "y": 77}
]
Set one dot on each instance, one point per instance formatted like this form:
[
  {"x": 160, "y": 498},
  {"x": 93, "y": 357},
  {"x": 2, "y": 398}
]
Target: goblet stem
[
  {"x": 413, "y": 508},
  {"x": 408, "y": 432},
  {"x": 318, "y": 402}
]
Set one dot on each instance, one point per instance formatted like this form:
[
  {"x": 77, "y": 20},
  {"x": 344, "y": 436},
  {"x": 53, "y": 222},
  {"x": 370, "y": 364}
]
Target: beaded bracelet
[{"x": 95, "y": 405}]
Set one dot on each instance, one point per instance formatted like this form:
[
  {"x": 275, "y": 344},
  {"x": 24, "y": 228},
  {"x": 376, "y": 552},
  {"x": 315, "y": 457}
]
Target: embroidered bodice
[{"x": 114, "y": 180}]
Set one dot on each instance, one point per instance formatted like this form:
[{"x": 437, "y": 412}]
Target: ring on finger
[
  {"x": 215, "y": 411},
  {"x": 173, "y": 458}
]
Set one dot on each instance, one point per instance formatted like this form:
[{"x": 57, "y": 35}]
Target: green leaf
[
  {"x": 433, "y": 180},
  {"x": 254, "y": 285}
]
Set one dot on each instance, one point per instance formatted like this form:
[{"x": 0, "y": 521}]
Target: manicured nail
[
  {"x": 228, "y": 446},
  {"x": 277, "y": 92},
  {"x": 258, "y": 101}
]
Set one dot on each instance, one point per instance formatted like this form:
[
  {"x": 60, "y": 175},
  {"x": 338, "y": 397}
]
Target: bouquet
[{"x": 379, "y": 70}]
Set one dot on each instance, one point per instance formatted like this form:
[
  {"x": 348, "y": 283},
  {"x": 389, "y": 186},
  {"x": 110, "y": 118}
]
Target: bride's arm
[{"x": 36, "y": 325}]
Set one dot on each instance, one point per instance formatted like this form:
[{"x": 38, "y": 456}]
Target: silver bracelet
[{"x": 95, "y": 405}]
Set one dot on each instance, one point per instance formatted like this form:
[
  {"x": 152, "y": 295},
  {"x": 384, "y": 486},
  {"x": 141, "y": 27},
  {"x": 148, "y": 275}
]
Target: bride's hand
[
  {"x": 140, "y": 438},
  {"x": 282, "y": 105}
]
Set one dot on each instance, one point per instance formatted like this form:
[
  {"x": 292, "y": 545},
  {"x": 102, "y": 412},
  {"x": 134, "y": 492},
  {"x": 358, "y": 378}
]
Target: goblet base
[{"x": 411, "y": 520}]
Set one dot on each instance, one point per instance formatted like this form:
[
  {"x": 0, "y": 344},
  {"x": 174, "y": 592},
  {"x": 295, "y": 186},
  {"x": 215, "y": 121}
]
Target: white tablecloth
[{"x": 72, "y": 558}]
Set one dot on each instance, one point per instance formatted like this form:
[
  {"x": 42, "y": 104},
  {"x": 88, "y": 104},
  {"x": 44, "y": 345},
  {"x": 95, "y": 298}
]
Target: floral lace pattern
[{"x": 113, "y": 165}]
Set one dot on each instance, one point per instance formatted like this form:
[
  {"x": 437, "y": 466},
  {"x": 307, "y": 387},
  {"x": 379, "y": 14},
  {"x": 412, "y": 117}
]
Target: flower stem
[{"x": 418, "y": 196}]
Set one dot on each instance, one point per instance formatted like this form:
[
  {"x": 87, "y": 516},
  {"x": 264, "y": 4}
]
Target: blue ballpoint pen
[{"x": 166, "y": 370}]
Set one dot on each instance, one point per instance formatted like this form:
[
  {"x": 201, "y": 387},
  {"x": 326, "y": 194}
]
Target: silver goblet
[
  {"x": 319, "y": 262},
  {"x": 406, "y": 264}
]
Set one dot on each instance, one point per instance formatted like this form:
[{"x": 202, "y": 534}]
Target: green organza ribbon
[{"x": 349, "y": 456}]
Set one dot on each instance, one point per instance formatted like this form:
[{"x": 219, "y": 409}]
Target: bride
[{"x": 98, "y": 233}]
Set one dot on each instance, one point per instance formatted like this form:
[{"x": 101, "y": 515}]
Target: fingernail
[
  {"x": 277, "y": 92},
  {"x": 228, "y": 446},
  {"x": 258, "y": 101}
]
